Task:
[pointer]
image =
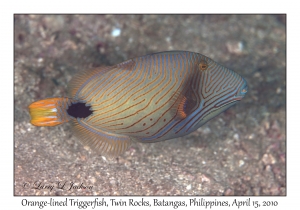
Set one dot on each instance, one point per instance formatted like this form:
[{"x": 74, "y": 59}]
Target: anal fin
[{"x": 105, "y": 143}]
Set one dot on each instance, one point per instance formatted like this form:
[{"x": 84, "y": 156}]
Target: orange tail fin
[{"x": 49, "y": 112}]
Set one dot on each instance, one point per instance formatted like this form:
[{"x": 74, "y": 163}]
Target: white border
[{"x": 154, "y": 6}]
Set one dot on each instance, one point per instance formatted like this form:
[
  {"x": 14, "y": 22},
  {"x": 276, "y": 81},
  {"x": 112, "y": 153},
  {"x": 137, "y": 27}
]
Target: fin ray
[
  {"x": 178, "y": 108},
  {"x": 80, "y": 79},
  {"x": 105, "y": 143},
  {"x": 49, "y": 112}
]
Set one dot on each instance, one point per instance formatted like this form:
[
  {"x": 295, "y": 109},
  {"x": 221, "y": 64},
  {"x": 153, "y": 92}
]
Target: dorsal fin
[
  {"x": 80, "y": 79},
  {"x": 169, "y": 52},
  {"x": 128, "y": 65}
]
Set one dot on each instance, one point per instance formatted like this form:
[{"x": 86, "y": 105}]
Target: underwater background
[{"x": 240, "y": 152}]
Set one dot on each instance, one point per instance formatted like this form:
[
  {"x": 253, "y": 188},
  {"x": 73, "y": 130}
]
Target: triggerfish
[{"x": 145, "y": 99}]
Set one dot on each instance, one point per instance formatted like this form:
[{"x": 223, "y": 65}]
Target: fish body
[{"x": 147, "y": 99}]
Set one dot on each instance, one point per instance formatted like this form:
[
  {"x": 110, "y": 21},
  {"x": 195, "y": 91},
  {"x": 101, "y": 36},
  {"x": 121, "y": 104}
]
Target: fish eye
[
  {"x": 203, "y": 65},
  {"x": 244, "y": 91}
]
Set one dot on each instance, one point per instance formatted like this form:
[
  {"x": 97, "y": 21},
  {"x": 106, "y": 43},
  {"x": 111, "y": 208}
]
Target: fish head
[{"x": 219, "y": 89}]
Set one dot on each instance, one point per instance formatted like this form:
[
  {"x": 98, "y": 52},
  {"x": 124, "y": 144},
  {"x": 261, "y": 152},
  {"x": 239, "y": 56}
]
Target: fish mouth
[
  {"x": 236, "y": 99},
  {"x": 236, "y": 96},
  {"x": 241, "y": 91}
]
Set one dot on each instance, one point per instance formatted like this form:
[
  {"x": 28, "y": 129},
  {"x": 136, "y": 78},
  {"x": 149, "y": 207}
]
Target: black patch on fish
[{"x": 79, "y": 110}]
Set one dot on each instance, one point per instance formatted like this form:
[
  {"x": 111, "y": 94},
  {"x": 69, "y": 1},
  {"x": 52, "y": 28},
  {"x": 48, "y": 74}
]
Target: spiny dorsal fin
[
  {"x": 105, "y": 143},
  {"x": 128, "y": 65}
]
